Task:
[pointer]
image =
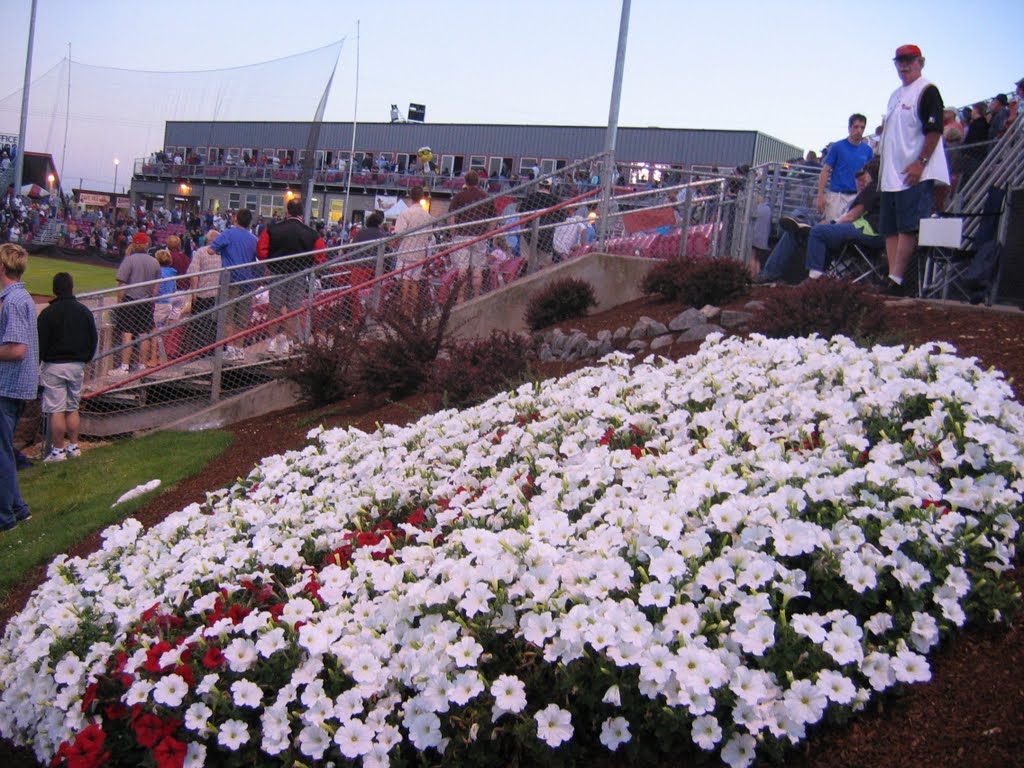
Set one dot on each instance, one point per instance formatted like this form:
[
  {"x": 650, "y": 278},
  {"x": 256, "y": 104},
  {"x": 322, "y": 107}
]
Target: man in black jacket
[
  {"x": 67, "y": 341},
  {"x": 290, "y": 237}
]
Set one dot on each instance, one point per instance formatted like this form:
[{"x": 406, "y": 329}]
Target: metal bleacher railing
[{"x": 219, "y": 337}]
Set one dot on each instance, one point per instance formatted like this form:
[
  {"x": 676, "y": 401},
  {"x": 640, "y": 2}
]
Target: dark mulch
[{"x": 971, "y": 715}]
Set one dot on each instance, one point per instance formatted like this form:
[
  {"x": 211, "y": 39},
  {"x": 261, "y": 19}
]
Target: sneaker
[
  {"x": 233, "y": 353},
  {"x": 794, "y": 226},
  {"x": 272, "y": 346},
  {"x": 72, "y": 451},
  {"x": 56, "y": 454},
  {"x": 893, "y": 289},
  {"x": 284, "y": 346},
  {"x": 121, "y": 370}
]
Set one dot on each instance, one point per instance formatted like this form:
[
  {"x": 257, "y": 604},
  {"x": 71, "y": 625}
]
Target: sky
[{"x": 793, "y": 70}]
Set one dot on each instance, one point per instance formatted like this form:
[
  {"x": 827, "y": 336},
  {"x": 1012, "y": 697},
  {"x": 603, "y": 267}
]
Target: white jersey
[{"x": 903, "y": 140}]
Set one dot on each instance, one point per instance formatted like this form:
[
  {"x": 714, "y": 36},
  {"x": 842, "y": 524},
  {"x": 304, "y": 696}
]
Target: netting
[{"x": 119, "y": 113}]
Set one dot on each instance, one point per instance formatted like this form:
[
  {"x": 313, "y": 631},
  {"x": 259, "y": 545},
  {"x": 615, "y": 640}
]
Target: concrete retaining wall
[{"x": 616, "y": 280}]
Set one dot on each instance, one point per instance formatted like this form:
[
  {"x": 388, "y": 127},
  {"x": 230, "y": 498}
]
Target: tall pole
[
  {"x": 352, "y": 151},
  {"x": 19, "y": 161},
  {"x": 613, "y": 121},
  {"x": 67, "y": 119},
  {"x": 116, "y": 164}
]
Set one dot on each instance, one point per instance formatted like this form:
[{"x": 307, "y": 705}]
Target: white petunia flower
[
  {"x": 614, "y": 732},
  {"x": 233, "y": 734},
  {"x": 509, "y": 693},
  {"x": 554, "y": 725},
  {"x": 706, "y": 732},
  {"x": 170, "y": 690},
  {"x": 246, "y": 693}
]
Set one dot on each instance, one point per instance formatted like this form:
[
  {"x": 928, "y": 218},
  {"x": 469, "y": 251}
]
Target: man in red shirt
[
  {"x": 291, "y": 237},
  {"x": 468, "y": 209}
]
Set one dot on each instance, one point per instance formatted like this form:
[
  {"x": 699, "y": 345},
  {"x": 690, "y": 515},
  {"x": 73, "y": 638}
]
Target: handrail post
[
  {"x": 216, "y": 372},
  {"x": 378, "y": 272}
]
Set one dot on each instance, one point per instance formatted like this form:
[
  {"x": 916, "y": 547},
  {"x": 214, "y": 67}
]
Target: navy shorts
[{"x": 901, "y": 212}]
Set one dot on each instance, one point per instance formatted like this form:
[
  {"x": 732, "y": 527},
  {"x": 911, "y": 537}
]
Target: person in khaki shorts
[{"x": 67, "y": 341}]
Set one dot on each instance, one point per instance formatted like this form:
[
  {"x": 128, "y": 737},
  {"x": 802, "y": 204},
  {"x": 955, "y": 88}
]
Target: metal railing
[{"x": 186, "y": 345}]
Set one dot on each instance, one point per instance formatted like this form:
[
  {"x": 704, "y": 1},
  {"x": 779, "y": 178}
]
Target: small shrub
[
  {"x": 478, "y": 369},
  {"x": 562, "y": 300},
  {"x": 396, "y": 359},
  {"x": 325, "y": 368},
  {"x": 698, "y": 280},
  {"x": 826, "y": 307}
]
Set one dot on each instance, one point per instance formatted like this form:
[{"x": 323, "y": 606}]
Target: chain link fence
[{"x": 172, "y": 347}]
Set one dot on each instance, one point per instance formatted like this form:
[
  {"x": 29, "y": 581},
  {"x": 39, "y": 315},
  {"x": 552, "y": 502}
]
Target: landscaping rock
[
  {"x": 604, "y": 347},
  {"x": 710, "y": 311},
  {"x": 636, "y": 345},
  {"x": 754, "y": 306},
  {"x": 686, "y": 320},
  {"x": 731, "y": 318},
  {"x": 620, "y": 333},
  {"x": 700, "y": 332},
  {"x": 642, "y": 328},
  {"x": 661, "y": 341}
]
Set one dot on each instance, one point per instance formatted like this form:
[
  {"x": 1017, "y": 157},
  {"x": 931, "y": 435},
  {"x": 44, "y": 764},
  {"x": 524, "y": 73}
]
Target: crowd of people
[{"x": 874, "y": 191}]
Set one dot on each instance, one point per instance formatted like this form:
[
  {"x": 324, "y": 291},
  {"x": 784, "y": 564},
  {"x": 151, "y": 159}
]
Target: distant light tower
[{"x": 116, "y": 164}]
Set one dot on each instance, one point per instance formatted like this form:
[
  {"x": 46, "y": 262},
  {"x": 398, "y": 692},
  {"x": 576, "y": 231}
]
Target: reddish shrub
[{"x": 826, "y": 307}]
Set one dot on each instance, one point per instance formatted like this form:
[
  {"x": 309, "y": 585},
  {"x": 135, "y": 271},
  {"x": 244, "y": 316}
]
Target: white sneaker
[
  {"x": 55, "y": 454},
  {"x": 233, "y": 353},
  {"x": 272, "y": 346},
  {"x": 121, "y": 370},
  {"x": 72, "y": 451},
  {"x": 284, "y": 345}
]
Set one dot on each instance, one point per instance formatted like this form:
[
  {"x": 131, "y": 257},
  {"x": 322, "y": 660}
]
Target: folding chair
[
  {"x": 945, "y": 263},
  {"x": 963, "y": 251},
  {"x": 856, "y": 262}
]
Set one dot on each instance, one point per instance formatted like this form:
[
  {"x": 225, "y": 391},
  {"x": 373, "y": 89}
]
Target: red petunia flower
[
  {"x": 170, "y": 753},
  {"x": 213, "y": 658}
]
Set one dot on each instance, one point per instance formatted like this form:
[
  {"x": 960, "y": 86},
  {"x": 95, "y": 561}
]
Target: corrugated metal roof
[{"x": 654, "y": 145}]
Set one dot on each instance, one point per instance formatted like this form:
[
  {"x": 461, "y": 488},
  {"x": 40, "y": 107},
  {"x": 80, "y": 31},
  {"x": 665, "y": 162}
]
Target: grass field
[
  {"x": 88, "y": 277},
  {"x": 74, "y": 498}
]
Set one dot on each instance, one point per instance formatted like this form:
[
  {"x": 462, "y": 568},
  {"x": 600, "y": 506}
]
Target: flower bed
[{"x": 701, "y": 557}]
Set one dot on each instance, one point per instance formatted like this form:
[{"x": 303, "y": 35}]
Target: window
[
  {"x": 527, "y": 164},
  {"x": 404, "y": 160},
  {"x": 201, "y": 153},
  {"x": 477, "y": 163},
  {"x": 546, "y": 167},
  {"x": 234, "y": 154},
  {"x": 451, "y": 165},
  {"x": 494, "y": 166},
  {"x": 234, "y": 201},
  {"x": 251, "y": 200},
  {"x": 337, "y": 210},
  {"x": 271, "y": 205}
]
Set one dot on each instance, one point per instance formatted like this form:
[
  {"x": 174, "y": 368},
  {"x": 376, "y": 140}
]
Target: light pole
[{"x": 116, "y": 164}]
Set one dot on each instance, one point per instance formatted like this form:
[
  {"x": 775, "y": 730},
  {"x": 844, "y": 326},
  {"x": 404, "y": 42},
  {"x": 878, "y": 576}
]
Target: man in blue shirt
[
  {"x": 845, "y": 157},
  {"x": 237, "y": 247},
  {"x": 19, "y": 375}
]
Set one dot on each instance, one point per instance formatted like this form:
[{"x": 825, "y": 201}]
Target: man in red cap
[{"x": 913, "y": 161}]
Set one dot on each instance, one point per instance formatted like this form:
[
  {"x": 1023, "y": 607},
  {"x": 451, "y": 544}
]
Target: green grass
[
  {"x": 71, "y": 499},
  {"x": 88, "y": 277}
]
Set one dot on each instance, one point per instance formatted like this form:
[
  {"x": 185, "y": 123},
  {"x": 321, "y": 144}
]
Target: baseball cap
[
  {"x": 908, "y": 51},
  {"x": 140, "y": 238},
  {"x": 545, "y": 182}
]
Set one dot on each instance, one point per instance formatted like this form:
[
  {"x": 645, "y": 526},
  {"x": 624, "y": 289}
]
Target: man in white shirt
[{"x": 913, "y": 161}]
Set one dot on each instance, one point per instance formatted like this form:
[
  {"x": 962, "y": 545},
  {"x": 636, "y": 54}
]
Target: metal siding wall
[{"x": 654, "y": 145}]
